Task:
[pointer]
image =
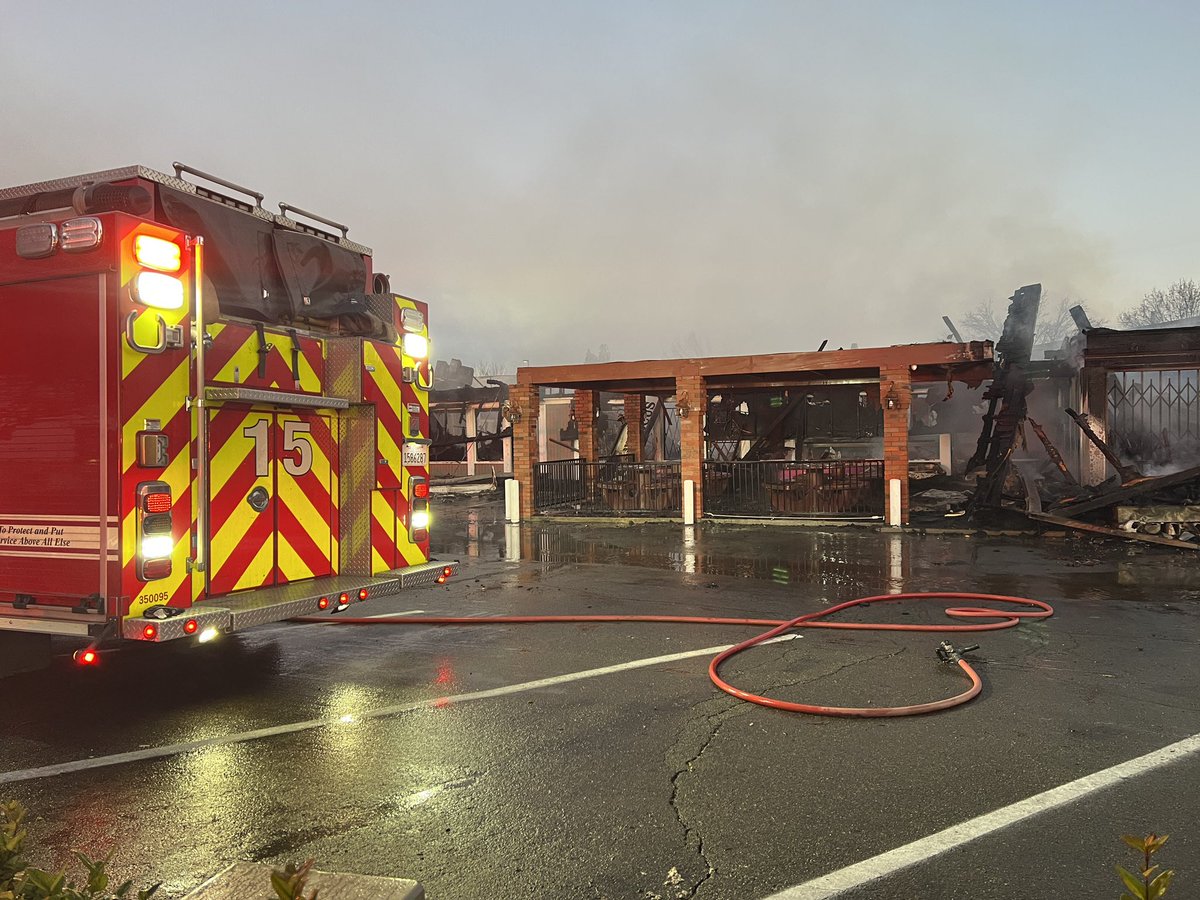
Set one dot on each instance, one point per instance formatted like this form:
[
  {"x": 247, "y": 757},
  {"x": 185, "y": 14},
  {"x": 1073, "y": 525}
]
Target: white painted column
[
  {"x": 472, "y": 432},
  {"x": 944, "y": 453},
  {"x": 512, "y": 501},
  {"x": 893, "y": 501},
  {"x": 689, "y": 502}
]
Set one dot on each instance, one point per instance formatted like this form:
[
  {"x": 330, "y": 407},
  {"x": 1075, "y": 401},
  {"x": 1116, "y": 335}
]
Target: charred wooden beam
[
  {"x": 1052, "y": 452},
  {"x": 1114, "y": 532},
  {"x": 1006, "y": 397},
  {"x": 1125, "y": 492},
  {"x": 1128, "y": 473}
]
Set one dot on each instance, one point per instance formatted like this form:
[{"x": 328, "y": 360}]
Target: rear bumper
[{"x": 266, "y": 605}]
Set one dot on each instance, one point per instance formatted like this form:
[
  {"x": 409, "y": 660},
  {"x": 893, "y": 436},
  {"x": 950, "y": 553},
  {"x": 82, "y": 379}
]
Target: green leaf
[
  {"x": 1154, "y": 842},
  {"x": 1159, "y": 885},
  {"x": 1135, "y": 842},
  {"x": 1133, "y": 883},
  {"x": 283, "y": 890}
]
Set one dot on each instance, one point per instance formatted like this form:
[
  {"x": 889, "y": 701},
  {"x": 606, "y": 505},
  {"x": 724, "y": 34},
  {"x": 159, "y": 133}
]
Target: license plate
[{"x": 415, "y": 455}]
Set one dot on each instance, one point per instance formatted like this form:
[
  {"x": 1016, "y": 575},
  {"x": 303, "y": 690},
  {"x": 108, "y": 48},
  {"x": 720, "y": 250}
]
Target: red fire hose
[{"x": 1000, "y": 618}]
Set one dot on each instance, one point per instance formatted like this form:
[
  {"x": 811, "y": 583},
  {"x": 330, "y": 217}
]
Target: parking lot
[{"x": 598, "y": 761}]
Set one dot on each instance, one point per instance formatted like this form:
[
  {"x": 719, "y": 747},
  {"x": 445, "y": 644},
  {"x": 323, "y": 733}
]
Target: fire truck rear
[{"x": 211, "y": 416}]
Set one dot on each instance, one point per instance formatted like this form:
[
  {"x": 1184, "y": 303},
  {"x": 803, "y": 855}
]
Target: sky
[{"x": 666, "y": 177}]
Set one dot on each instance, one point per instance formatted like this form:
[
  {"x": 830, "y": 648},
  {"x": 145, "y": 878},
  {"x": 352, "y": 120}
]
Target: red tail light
[
  {"x": 155, "y": 568},
  {"x": 343, "y": 598},
  {"x": 421, "y": 489},
  {"x": 150, "y": 632},
  {"x": 323, "y": 603},
  {"x": 363, "y": 594},
  {"x": 156, "y": 503},
  {"x": 190, "y": 626},
  {"x": 88, "y": 657},
  {"x": 448, "y": 571}
]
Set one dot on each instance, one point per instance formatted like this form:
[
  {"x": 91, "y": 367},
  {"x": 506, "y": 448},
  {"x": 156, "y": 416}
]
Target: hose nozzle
[{"x": 950, "y": 654}]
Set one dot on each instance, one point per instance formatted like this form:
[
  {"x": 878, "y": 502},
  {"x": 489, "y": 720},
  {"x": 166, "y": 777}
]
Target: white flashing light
[
  {"x": 157, "y": 546},
  {"x": 416, "y": 346},
  {"x": 158, "y": 290},
  {"x": 420, "y": 520},
  {"x": 208, "y": 634}
]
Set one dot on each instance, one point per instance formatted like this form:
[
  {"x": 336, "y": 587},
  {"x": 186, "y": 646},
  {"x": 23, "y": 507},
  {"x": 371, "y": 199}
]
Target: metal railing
[
  {"x": 851, "y": 488},
  {"x": 613, "y": 486}
]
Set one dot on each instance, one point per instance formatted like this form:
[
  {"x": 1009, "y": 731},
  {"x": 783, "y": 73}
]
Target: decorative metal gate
[{"x": 1154, "y": 416}]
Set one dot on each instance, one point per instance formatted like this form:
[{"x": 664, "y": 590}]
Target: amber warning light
[{"x": 156, "y": 253}]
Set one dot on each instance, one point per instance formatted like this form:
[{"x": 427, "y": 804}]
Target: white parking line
[
  {"x": 116, "y": 759},
  {"x": 956, "y": 835},
  {"x": 408, "y": 612}
]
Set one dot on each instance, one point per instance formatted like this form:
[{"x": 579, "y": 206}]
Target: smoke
[
  {"x": 553, "y": 177},
  {"x": 764, "y": 210}
]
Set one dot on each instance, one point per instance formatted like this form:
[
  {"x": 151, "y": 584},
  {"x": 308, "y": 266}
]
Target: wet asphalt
[{"x": 643, "y": 782}]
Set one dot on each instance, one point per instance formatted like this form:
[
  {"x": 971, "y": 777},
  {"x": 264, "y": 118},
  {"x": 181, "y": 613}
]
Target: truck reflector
[{"x": 157, "y": 253}]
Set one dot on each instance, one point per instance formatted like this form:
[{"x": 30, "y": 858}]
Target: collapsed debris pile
[{"x": 1159, "y": 505}]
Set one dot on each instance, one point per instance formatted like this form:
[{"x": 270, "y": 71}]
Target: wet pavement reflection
[{"x": 1077, "y": 567}]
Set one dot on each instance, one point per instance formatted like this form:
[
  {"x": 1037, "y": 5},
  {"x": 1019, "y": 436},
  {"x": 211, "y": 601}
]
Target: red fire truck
[{"x": 211, "y": 416}]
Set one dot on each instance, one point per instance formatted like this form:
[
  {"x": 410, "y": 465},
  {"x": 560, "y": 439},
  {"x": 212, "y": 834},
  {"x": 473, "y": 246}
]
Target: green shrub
[
  {"x": 20, "y": 881},
  {"x": 289, "y": 882},
  {"x": 1148, "y": 883}
]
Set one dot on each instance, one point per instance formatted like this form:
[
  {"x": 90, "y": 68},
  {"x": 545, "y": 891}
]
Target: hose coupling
[{"x": 950, "y": 654}]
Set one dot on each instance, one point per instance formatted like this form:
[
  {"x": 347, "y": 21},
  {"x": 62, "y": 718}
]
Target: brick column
[
  {"x": 525, "y": 399},
  {"x": 634, "y": 439},
  {"x": 585, "y": 417},
  {"x": 1093, "y": 390},
  {"x": 690, "y": 389},
  {"x": 895, "y": 383}
]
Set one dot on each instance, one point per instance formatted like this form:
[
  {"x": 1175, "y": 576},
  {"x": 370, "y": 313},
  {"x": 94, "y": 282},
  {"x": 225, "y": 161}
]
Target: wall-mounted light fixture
[
  {"x": 683, "y": 405},
  {"x": 891, "y": 401},
  {"x": 511, "y": 411}
]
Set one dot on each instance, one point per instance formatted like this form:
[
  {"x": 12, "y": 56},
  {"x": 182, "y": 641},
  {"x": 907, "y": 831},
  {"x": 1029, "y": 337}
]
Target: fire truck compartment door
[
  {"x": 54, "y": 537},
  {"x": 271, "y": 489},
  {"x": 242, "y": 500},
  {"x": 305, "y": 508}
]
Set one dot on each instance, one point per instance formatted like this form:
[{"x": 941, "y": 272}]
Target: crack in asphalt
[{"x": 713, "y": 723}]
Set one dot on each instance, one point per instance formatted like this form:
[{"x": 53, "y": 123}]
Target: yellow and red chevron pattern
[
  {"x": 234, "y": 358},
  {"x": 153, "y": 394},
  {"x": 401, "y": 415},
  {"x": 273, "y": 484}
]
